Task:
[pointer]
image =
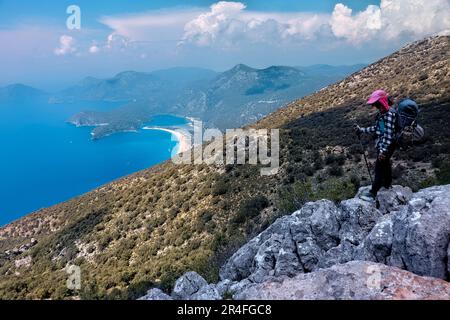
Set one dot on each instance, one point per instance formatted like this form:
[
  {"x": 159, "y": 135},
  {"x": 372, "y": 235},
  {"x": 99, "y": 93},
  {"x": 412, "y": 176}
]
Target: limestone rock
[
  {"x": 156, "y": 294},
  {"x": 422, "y": 234},
  {"x": 354, "y": 280},
  {"x": 187, "y": 285},
  {"x": 208, "y": 292},
  {"x": 377, "y": 245},
  {"x": 389, "y": 200}
]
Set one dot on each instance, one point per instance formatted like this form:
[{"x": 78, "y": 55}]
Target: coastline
[{"x": 182, "y": 140}]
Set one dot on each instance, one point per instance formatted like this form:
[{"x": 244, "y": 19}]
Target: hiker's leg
[
  {"x": 388, "y": 181},
  {"x": 378, "y": 181},
  {"x": 388, "y": 174}
]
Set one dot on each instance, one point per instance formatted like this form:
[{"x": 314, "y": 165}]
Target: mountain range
[
  {"x": 230, "y": 99},
  {"x": 147, "y": 229}
]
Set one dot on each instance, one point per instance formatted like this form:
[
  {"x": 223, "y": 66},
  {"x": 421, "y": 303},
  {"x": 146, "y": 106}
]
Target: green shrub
[
  {"x": 318, "y": 162},
  {"x": 335, "y": 170},
  {"x": 443, "y": 174},
  {"x": 356, "y": 181},
  {"x": 335, "y": 159},
  {"x": 250, "y": 208},
  {"x": 220, "y": 188},
  {"x": 294, "y": 196},
  {"x": 308, "y": 170}
]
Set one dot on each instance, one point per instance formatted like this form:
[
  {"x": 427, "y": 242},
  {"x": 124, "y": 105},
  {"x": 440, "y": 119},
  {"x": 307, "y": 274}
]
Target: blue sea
[{"x": 44, "y": 160}]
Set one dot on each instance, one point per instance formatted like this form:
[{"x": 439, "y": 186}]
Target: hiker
[{"x": 384, "y": 130}]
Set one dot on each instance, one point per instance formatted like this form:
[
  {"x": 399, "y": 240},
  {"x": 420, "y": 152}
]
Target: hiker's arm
[
  {"x": 369, "y": 129},
  {"x": 388, "y": 136}
]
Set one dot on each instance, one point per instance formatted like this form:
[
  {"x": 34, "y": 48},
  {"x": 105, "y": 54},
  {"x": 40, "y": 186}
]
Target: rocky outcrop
[
  {"x": 421, "y": 233},
  {"x": 156, "y": 294},
  {"x": 191, "y": 286},
  {"x": 402, "y": 229},
  {"x": 22, "y": 249},
  {"x": 354, "y": 280},
  {"x": 318, "y": 252},
  {"x": 188, "y": 285}
]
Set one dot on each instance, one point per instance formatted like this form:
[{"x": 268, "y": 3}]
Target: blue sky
[
  {"x": 12, "y": 11},
  {"x": 144, "y": 35}
]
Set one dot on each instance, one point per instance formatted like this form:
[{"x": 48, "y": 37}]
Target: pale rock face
[
  {"x": 156, "y": 294},
  {"x": 353, "y": 280},
  {"x": 357, "y": 218},
  {"x": 223, "y": 287},
  {"x": 187, "y": 285},
  {"x": 377, "y": 245},
  {"x": 421, "y": 233},
  {"x": 208, "y": 292},
  {"x": 390, "y": 200},
  {"x": 23, "y": 262}
]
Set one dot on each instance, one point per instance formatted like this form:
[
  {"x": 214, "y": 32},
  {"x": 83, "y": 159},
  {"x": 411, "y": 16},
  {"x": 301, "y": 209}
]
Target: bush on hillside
[{"x": 250, "y": 208}]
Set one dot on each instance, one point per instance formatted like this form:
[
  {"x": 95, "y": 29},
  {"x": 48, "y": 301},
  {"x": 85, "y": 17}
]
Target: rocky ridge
[{"x": 351, "y": 250}]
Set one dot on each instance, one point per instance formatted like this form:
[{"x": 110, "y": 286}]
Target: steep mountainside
[
  {"x": 230, "y": 99},
  {"x": 149, "y": 228},
  {"x": 243, "y": 95}
]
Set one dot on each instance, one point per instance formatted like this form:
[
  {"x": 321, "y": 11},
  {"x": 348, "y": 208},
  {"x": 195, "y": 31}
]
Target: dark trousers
[
  {"x": 383, "y": 172},
  {"x": 383, "y": 175}
]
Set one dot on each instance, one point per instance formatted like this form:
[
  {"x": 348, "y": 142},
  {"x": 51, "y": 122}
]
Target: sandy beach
[{"x": 183, "y": 141}]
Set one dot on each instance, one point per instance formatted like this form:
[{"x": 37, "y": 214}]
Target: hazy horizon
[
  {"x": 113, "y": 36},
  {"x": 61, "y": 86}
]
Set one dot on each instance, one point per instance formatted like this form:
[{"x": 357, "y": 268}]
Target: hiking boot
[{"x": 367, "y": 196}]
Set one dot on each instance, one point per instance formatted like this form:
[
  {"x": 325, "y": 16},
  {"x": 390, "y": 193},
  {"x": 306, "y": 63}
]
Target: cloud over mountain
[
  {"x": 392, "y": 19},
  {"x": 228, "y": 23}
]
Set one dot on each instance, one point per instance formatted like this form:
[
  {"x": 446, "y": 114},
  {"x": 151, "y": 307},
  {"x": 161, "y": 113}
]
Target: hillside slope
[{"x": 149, "y": 228}]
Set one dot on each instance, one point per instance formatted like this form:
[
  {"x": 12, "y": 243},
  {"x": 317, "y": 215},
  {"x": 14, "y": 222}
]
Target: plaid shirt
[{"x": 385, "y": 137}]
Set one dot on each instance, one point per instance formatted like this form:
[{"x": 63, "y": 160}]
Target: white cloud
[
  {"x": 308, "y": 27},
  {"x": 358, "y": 28},
  {"x": 222, "y": 20},
  {"x": 392, "y": 19},
  {"x": 66, "y": 46},
  {"x": 228, "y": 23},
  {"x": 94, "y": 49},
  {"x": 117, "y": 41}
]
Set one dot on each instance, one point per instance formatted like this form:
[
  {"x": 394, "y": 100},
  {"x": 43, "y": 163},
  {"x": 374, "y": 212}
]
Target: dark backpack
[{"x": 408, "y": 131}]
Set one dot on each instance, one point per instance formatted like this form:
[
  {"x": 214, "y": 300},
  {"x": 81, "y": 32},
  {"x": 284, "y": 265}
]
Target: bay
[{"x": 44, "y": 160}]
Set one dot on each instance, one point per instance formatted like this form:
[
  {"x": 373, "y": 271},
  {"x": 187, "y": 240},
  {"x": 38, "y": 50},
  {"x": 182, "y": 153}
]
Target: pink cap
[
  {"x": 376, "y": 95},
  {"x": 381, "y": 96}
]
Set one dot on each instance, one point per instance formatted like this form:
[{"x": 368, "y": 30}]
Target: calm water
[{"x": 44, "y": 160}]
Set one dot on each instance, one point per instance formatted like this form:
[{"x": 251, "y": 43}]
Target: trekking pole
[{"x": 365, "y": 158}]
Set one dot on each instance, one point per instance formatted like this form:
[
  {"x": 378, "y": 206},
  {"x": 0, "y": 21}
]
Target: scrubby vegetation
[{"x": 147, "y": 229}]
